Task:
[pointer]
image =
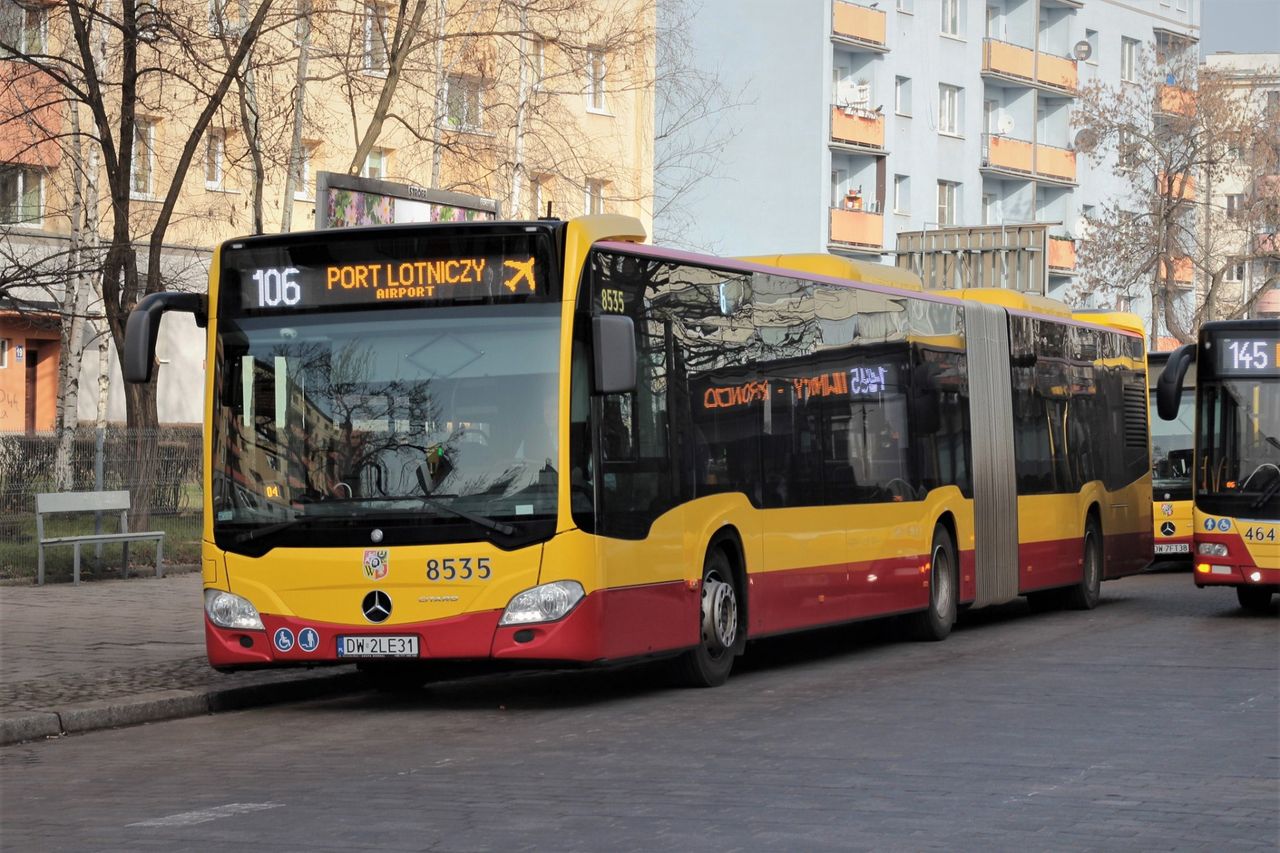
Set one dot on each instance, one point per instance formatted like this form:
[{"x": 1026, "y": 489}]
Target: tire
[
  {"x": 1085, "y": 594},
  {"x": 1256, "y": 599},
  {"x": 720, "y": 627},
  {"x": 936, "y": 622}
]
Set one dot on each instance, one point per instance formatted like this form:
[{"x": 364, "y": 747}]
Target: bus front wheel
[
  {"x": 719, "y": 623},
  {"x": 1254, "y": 598},
  {"x": 936, "y": 622},
  {"x": 1085, "y": 594}
]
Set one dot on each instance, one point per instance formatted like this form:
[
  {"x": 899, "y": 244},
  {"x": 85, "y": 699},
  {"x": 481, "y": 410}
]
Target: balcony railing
[
  {"x": 1175, "y": 100},
  {"x": 1057, "y": 71},
  {"x": 1177, "y": 185},
  {"x": 858, "y": 23},
  {"x": 1266, "y": 187},
  {"x": 1062, "y": 253},
  {"x": 31, "y": 115},
  {"x": 857, "y": 126},
  {"x": 1183, "y": 271},
  {"x": 1054, "y": 162},
  {"x": 1001, "y": 152},
  {"x": 858, "y": 228},
  {"x": 1002, "y": 57},
  {"x": 1269, "y": 303}
]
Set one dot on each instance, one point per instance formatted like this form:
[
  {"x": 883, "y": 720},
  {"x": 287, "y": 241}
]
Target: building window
[
  {"x": 1235, "y": 271},
  {"x": 4, "y": 352},
  {"x": 215, "y": 148},
  {"x": 20, "y": 195},
  {"x": 1235, "y": 205},
  {"x": 1128, "y": 149},
  {"x": 902, "y": 95},
  {"x": 462, "y": 103},
  {"x": 990, "y": 209},
  {"x": 906, "y": 6},
  {"x": 537, "y": 189},
  {"x": 948, "y": 201},
  {"x": 951, "y": 17},
  {"x": 375, "y": 165},
  {"x": 142, "y": 165},
  {"x": 1129, "y": 59},
  {"x": 24, "y": 27},
  {"x": 949, "y": 109},
  {"x": 1091, "y": 37},
  {"x": 993, "y": 22},
  {"x": 302, "y": 173},
  {"x": 595, "y": 80},
  {"x": 901, "y": 194},
  {"x": 375, "y": 38},
  {"x": 593, "y": 196},
  {"x": 224, "y": 18},
  {"x": 537, "y": 61}
]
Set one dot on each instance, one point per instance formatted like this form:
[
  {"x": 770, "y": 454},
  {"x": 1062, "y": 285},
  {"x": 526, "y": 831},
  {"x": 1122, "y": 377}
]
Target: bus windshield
[
  {"x": 421, "y": 420},
  {"x": 1238, "y": 468},
  {"x": 1171, "y": 451}
]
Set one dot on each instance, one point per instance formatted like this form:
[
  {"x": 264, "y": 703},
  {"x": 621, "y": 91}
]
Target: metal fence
[{"x": 161, "y": 470}]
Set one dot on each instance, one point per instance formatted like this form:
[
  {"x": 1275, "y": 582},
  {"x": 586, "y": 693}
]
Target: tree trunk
[{"x": 299, "y": 102}]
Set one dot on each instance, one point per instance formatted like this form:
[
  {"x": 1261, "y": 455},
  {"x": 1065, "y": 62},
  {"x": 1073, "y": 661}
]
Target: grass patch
[{"x": 18, "y": 546}]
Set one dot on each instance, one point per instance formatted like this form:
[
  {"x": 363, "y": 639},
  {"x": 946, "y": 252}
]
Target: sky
[{"x": 1240, "y": 26}]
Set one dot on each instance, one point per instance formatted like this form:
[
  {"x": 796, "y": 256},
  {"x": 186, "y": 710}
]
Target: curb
[{"x": 134, "y": 710}]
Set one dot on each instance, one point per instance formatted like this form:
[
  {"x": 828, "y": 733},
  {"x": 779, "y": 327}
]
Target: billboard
[{"x": 345, "y": 201}]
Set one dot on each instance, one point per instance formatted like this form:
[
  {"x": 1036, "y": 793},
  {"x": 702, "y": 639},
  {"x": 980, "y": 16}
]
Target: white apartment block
[{"x": 864, "y": 120}]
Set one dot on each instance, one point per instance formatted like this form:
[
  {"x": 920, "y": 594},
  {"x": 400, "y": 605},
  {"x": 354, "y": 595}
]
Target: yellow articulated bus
[
  {"x": 1236, "y": 470},
  {"x": 545, "y": 442},
  {"x": 1171, "y": 449}
]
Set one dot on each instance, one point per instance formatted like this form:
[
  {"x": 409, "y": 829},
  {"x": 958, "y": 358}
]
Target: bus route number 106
[{"x": 277, "y": 287}]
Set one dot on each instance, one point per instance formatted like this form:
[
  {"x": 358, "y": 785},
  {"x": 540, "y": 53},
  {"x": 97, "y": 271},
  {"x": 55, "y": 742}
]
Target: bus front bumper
[{"x": 1215, "y": 571}]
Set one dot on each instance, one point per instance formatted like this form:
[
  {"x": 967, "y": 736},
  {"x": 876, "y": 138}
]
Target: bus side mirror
[
  {"x": 1169, "y": 387},
  {"x": 143, "y": 328},
  {"x": 614, "y": 343}
]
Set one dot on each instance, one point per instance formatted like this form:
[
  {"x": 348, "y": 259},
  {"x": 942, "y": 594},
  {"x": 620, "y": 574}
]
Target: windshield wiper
[
  {"x": 484, "y": 521},
  {"x": 1267, "y": 494},
  {"x": 259, "y": 532}
]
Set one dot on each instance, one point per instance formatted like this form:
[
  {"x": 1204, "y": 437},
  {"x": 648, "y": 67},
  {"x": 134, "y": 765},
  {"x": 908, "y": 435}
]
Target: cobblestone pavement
[
  {"x": 63, "y": 646},
  {"x": 1151, "y": 723}
]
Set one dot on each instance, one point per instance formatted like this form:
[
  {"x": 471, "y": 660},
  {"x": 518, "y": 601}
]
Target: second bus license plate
[
  {"x": 386, "y": 646},
  {"x": 1176, "y": 548}
]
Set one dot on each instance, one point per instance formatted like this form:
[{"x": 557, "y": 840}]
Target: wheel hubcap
[{"x": 719, "y": 615}]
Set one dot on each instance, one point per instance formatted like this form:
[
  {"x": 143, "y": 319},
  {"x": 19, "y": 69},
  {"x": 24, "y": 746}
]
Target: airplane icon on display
[{"x": 524, "y": 272}]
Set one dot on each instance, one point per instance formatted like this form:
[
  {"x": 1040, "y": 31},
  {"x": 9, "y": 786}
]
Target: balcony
[
  {"x": 1268, "y": 304},
  {"x": 1034, "y": 161},
  {"x": 1013, "y": 155},
  {"x": 861, "y": 229},
  {"x": 1267, "y": 244},
  {"x": 1177, "y": 185},
  {"x": 1183, "y": 271},
  {"x": 1062, "y": 254},
  {"x": 1056, "y": 163},
  {"x": 1175, "y": 100},
  {"x": 1057, "y": 72},
  {"x": 859, "y": 25},
  {"x": 859, "y": 127},
  {"x": 1032, "y": 67},
  {"x": 1266, "y": 187}
]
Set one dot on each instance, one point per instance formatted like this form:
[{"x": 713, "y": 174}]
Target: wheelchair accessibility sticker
[{"x": 283, "y": 639}]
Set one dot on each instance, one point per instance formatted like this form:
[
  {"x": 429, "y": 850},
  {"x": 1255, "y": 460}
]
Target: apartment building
[
  {"x": 1243, "y": 199},
  {"x": 865, "y": 120},
  {"x": 549, "y": 108}
]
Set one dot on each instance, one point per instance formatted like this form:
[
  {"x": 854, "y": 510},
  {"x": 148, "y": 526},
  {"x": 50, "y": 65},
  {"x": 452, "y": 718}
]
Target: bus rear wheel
[
  {"x": 1254, "y": 598},
  {"x": 719, "y": 625},
  {"x": 1085, "y": 594},
  {"x": 936, "y": 622}
]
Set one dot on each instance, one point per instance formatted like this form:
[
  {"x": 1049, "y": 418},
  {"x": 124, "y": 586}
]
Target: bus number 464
[{"x": 1260, "y": 534}]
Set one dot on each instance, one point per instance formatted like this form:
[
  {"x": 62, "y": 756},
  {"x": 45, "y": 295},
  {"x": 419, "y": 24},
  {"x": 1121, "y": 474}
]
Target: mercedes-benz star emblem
[
  {"x": 376, "y": 606},
  {"x": 375, "y": 535},
  {"x": 1167, "y": 528}
]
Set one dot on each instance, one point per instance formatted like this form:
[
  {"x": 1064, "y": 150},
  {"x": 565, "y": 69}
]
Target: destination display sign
[
  {"x": 1255, "y": 355},
  {"x": 349, "y": 273}
]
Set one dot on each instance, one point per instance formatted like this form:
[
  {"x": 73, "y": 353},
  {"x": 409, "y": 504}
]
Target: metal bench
[{"x": 67, "y": 502}]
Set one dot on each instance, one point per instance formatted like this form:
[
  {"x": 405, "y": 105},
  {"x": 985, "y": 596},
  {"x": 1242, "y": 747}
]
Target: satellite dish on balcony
[
  {"x": 1086, "y": 140},
  {"x": 1082, "y": 51},
  {"x": 1005, "y": 125}
]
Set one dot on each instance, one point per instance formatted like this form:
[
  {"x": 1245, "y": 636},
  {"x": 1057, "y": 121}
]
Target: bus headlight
[
  {"x": 231, "y": 611},
  {"x": 545, "y": 603},
  {"x": 1212, "y": 549}
]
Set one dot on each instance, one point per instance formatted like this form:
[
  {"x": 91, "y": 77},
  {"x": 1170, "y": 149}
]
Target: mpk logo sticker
[
  {"x": 376, "y": 563},
  {"x": 1167, "y": 509}
]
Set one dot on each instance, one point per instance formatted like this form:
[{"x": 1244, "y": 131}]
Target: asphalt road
[{"x": 1150, "y": 723}]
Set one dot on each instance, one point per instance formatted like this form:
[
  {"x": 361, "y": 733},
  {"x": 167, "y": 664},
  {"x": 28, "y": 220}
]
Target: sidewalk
[{"x": 122, "y": 652}]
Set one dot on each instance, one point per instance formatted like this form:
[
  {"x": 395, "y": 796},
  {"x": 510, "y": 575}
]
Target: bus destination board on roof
[{"x": 1256, "y": 355}]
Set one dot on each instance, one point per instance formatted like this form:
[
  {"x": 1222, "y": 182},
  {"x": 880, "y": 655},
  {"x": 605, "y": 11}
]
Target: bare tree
[{"x": 1175, "y": 132}]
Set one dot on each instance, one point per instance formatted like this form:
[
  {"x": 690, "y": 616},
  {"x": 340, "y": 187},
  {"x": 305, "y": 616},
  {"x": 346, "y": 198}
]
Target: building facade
[
  {"x": 869, "y": 120},
  {"x": 535, "y": 111}
]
